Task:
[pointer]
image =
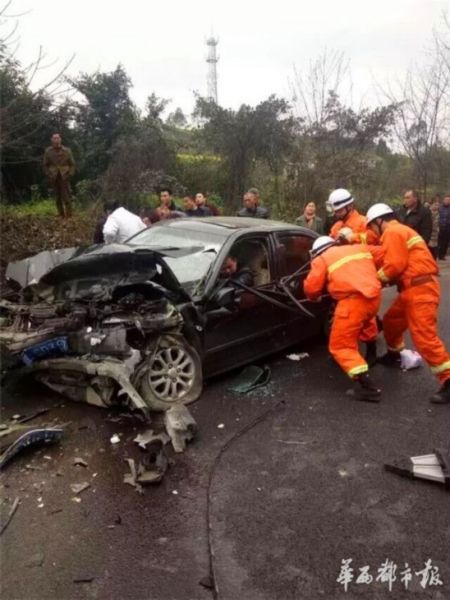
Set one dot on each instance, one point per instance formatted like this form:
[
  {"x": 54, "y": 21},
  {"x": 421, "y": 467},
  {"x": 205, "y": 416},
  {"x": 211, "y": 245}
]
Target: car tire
[{"x": 172, "y": 375}]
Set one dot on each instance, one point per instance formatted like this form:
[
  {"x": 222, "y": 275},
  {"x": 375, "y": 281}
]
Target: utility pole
[{"x": 212, "y": 60}]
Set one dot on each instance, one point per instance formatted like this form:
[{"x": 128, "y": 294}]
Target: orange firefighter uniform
[
  {"x": 407, "y": 261},
  {"x": 350, "y": 275},
  {"x": 361, "y": 235},
  {"x": 358, "y": 224}
]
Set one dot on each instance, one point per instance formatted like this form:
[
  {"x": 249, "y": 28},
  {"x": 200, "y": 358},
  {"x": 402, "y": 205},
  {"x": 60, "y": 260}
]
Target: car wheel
[{"x": 172, "y": 375}]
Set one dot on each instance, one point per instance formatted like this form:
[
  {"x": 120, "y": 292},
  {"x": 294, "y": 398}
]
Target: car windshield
[{"x": 199, "y": 247}]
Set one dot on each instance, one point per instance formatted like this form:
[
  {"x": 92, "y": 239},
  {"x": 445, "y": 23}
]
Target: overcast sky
[{"x": 161, "y": 43}]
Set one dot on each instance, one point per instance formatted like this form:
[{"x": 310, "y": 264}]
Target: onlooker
[
  {"x": 309, "y": 218},
  {"x": 444, "y": 227},
  {"x": 192, "y": 209},
  {"x": 166, "y": 199},
  {"x": 414, "y": 215},
  {"x": 59, "y": 166},
  {"x": 161, "y": 213},
  {"x": 434, "y": 239},
  {"x": 121, "y": 224},
  {"x": 202, "y": 202},
  {"x": 251, "y": 206}
]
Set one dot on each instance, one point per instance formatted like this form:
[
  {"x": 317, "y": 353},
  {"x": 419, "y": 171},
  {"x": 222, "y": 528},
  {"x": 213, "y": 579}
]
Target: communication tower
[{"x": 212, "y": 60}]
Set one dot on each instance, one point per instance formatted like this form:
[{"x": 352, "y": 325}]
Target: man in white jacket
[{"x": 121, "y": 224}]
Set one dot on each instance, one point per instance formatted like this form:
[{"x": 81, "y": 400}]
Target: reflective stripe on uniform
[
  {"x": 413, "y": 241},
  {"x": 363, "y": 238},
  {"x": 441, "y": 368},
  {"x": 357, "y": 370},
  {"x": 347, "y": 259},
  {"x": 382, "y": 275}
]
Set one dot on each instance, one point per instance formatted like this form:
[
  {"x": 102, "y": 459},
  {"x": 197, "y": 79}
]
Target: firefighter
[
  {"x": 349, "y": 273},
  {"x": 349, "y": 224},
  {"x": 405, "y": 260},
  {"x": 351, "y": 227}
]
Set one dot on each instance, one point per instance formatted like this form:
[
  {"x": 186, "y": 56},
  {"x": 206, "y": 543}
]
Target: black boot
[
  {"x": 371, "y": 353},
  {"x": 368, "y": 390},
  {"x": 390, "y": 359},
  {"x": 443, "y": 395}
]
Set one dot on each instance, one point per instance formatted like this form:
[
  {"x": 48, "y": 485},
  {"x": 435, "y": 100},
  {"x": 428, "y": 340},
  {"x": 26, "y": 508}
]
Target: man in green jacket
[{"x": 59, "y": 167}]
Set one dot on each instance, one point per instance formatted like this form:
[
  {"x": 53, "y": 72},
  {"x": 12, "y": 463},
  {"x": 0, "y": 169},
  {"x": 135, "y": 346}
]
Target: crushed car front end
[{"x": 104, "y": 327}]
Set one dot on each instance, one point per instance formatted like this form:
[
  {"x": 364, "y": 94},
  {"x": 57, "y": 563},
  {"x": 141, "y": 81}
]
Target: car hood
[{"x": 131, "y": 263}]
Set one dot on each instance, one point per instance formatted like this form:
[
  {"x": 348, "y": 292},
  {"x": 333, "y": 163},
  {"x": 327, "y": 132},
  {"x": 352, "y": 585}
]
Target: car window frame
[
  {"x": 236, "y": 237},
  {"x": 292, "y": 232}
]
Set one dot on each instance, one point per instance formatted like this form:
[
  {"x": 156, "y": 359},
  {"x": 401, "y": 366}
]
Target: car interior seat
[{"x": 255, "y": 257}]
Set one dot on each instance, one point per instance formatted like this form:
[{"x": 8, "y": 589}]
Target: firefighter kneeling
[{"x": 350, "y": 275}]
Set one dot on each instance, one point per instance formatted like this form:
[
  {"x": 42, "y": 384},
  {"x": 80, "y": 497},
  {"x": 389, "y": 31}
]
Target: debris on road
[
  {"x": 79, "y": 462},
  {"x": 115, "y": 439},
  {"x": 180, "y": 426},
  {"x": 77, "y": 488},
  {"x": 131, "y": 477},
  {"x": 433, "y": 467},
  {"x": 298, "y": 357},
  {"x": 154, "y": 464},
  {"x": 26, "y": 418},
  {"x": 149, "y": 436},
  {"x": 10, "y": 515},
  {"x": 410, "y": 359},
  {"x": 151, "y": 469},
  {"x": 84, "y": 579},
  {"x": 251, "y": 378},
  {"x": 220, "y": 425},
  {"x": 16, "y": 438}
]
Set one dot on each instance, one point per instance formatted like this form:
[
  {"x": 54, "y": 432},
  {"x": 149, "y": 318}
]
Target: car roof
[{"x": 232, "y": 224}]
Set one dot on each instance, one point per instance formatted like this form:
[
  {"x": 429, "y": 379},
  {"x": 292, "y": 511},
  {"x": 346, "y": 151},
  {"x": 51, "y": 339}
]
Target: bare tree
[
  {"x": 329, "y": 73},
  {"x": 422, "y": 124}
]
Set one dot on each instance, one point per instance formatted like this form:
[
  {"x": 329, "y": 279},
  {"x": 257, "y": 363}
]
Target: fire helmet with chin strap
[
  {"x": 321, "y": 244},
  {"x": 378, "y": 210},
  {"x": 339, "y": 199}
]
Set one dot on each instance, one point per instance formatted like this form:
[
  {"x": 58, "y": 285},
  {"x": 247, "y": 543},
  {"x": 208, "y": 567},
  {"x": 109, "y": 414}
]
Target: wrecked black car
[{"x": 144, "y": 322}]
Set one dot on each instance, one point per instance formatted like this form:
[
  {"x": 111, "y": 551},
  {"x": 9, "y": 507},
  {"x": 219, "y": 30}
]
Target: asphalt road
[{"x": 291, "y": 498}]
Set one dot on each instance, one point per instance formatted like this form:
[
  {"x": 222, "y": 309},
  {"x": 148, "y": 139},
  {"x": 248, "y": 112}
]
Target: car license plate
[{"x": 54, "y": 347}]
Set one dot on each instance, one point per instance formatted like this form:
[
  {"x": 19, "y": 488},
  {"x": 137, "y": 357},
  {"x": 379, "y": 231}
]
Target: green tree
[
  {"x": 105, "y": 115},
  {"x": 241, "y": 137}
]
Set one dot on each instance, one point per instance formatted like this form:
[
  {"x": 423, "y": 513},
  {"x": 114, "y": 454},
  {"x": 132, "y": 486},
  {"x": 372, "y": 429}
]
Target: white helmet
[
  {"x": 339, "y": 198},
  {"x": 378, "y": 210},
  {"x": 321, "y": 244}
]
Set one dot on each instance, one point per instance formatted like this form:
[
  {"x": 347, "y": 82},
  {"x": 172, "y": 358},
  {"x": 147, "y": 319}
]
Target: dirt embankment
[{"x": 23, "y": 236}]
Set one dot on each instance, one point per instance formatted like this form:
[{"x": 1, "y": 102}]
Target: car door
[
  {"x": 240, "y": 333},
  {"x": 292, "y": 249}
]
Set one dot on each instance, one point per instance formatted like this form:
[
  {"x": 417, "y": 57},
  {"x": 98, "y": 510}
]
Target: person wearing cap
[
  {"x": 349, "y": 274},
  {"x": 405, "y": 260}
]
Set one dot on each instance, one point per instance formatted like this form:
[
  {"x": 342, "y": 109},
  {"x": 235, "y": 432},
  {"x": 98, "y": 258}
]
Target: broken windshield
[{"x": 200, "y": 248}]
